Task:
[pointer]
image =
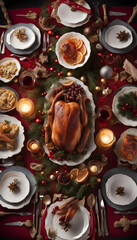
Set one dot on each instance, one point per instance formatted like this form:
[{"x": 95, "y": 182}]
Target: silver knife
[
  {"x": 125, "y": 212},
  {"x": 97, "y": 213},
  {"x": 15, "y": 213},
  {"x": 18, "y": 223},
  {"x": 113, "y": 13},
  {"x": 44, "y": 48},
  {"x": 104, "y": 226},
  {"x": 1, "y": 41}
]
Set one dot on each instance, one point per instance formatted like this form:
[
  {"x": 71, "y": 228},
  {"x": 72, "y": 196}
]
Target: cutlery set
[
  {"x": 2, "y": 45},
  {"x": 45, "y": 42}
]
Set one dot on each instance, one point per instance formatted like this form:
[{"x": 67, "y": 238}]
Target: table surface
[{"x": 11, "y": 6}]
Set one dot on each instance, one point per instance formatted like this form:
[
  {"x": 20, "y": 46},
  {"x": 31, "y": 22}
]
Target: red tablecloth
[{"x": 23, "y": 232}]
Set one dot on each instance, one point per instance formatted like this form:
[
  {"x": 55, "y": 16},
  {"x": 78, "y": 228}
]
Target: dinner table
[{"x": 107, "y": 70}]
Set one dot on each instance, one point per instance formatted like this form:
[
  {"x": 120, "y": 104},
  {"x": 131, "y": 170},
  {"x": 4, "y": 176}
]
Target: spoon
[
  {"x": 52, "y": 233},
  {"x": 33, "y": 230},
  {"x": 46, "y": 201},
  {"x": 91, "y": 200}
]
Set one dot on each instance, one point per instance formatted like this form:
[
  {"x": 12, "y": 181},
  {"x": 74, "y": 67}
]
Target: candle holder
[
  {"x": 105, "y": 138},
  {"x": 26, "y": 108},
  {"x": 27, "y": 80},
  {"x": 104, "y": 113},
  {"x": 95, "y": 167},
  {"x": 34, "y": 147}
]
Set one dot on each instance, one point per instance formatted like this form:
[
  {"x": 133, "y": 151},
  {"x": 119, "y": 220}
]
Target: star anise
[
  {"x": 119, "y": 191},
  {"x": 122, "y": 36},
  {"x": 21, "y": 35},
  {"x": 14, "y": 186}
]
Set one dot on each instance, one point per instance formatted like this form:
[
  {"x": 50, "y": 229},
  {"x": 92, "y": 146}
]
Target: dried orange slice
[
  {"x": 83, "y": 49},
  {"x": 77, "y": 41},
  {"x": 76, "y": 60},
  {"x": 82, "y": 175},
  {"x": 74, "y": 172},
  {"x": 68, "y": 84}
]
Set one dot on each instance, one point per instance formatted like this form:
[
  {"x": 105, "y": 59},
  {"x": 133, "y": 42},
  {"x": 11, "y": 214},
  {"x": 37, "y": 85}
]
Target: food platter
[
  {"x": 130, "y": 131},
  {"x": 90, "y": 144},
  {"x": 20, "y": 137},
  {"x": 118, "y": 93},
  {"x": 15, "y": 96},
  {"x": 32, "y": 182},
  {"x": 33, "y": 47},
  {"x": 124, "y": 49},
  {"x": 120, "y": 173}
]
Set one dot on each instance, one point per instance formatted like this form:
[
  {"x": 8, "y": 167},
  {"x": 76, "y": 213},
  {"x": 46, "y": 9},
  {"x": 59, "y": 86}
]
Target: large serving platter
[
  {"x": 120, "y": 92},
  {"x": 20, "y": 137},
  {"x": 130, "y": 131},
  {"x": 33, "y": 47},
  {"x": 90, "y": 144},
  {"x": 116, "y": 177},
  {"x": 33, "y": 185},
  {"x": 116, "y": 49}
]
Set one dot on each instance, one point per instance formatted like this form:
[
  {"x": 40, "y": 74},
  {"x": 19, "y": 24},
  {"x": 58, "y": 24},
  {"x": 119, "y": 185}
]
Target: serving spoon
[{"x": 91, "y": 200}]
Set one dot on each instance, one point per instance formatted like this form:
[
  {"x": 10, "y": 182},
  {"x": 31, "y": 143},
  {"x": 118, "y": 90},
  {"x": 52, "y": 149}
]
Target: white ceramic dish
[
  {"x": 130, "y": 131},
  {"x": 74, "y": 25},
  {"x": 23, "y": 184},
  {"x": 20, "y": 137},
  {"x": 123, "y": 119},
  {"x": 79, "y": 224},
  {"x": 7, "y": 60},
  {"x": 16, "y": 97},
  {"x": 62, "y": 40},
  {"x": 72, "y": 17},
  {"x": 90, "y": 144},
  {"x": 32, "y": 48},
  {"x": 16, "y": 43},
  {"x": 32, "y": 182},
  {"x": 112, "y": 40},
  {"x": 130, "y": 189}
]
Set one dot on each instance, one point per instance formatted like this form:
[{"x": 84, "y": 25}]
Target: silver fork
[{"x": 38, "y": 210}]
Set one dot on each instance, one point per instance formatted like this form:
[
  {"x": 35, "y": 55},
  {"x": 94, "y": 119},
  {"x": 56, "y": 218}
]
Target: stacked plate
[
  {"x": 73, "y": 18},
  {"x": 31, "y": 41},
  {"x": 80, "y": 224},
  {"x": 112, "y": 43},
  {"x": 26, "y": 187}
]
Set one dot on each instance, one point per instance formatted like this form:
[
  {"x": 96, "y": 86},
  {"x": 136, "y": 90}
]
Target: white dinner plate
[
  {"x": 130, "y": 131},
  {"x": 120, "y": 92},
  {"x": 6, "y": 60},
  {"x": 72, "y": 17},
  {"x": 14, "y": 196},
  {"x": 91, "y": 143},
  {"x": 112, "y": 40},
  {"x": 16, "y": 43},
  {"x": 62, "y": 40},
  {"x": 74, "y": 25},
  {"x": 79, "y": 224},
  {"x": 33, "y": 185},
  {"x": 33, "y": 47},
  {"x": 130, "y": 189},
  {"x": 20, "y": 137}
]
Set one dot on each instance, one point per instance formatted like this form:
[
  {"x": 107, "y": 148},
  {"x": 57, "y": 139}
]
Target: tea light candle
[
  {"x": 105, "y": 138},
  {"x": 26, "y": 108},
  {"x": 34, "y": 147},
  {"x": 94, "y": 167}
]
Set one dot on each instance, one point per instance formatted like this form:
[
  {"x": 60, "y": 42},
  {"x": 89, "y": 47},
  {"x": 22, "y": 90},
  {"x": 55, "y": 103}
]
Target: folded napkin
[
  {"x": 92, "y": 225},
  {"x": 77, "y": 6},
  {"x": 130, "y": 69}
]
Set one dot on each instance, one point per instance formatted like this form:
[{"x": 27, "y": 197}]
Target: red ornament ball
[
  {"x": 44, "y": 94},
  {"x": 51, "y": 69},
  {"x": 50, "y": 32},
  {"x": 60, "y": 74},
  {"x": 43, "y": 182},
  {"x": 123, "y": 108},
  {"x": 57, "y": 36},
  {"x": 38, "y": 120},
  {"x": 56, "y": 61}
]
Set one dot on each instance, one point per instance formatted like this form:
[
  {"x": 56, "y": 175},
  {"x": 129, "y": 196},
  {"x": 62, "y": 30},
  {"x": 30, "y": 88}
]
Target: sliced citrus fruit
[
  {"x": 76, "y": 60},
  {"x": 68, "y": 83},
  {"x": 77, "y": 41},
  {"x": 83, "y": 49},
  {"x": 74, "y": 172},
  {"x": 82, "y": 175}
]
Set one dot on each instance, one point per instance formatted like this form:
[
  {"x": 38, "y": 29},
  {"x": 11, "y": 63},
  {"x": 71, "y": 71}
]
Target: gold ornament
[
  {"x": 103, "y": 81},
  {"x": 69, "y": 74},
  {"x": 83, "y": 79},
  {"x": 42, "y": 172},
  {"x": 39, "y": 111},
  {"x": 98, "y": 180},
  {"x": 50, "y": 49},
  {"x": 52, "y": 177},
  {"x": 15, "y": 80},
  {"x": 56, "y": 172},
  {"x": 98, "y": 88}
]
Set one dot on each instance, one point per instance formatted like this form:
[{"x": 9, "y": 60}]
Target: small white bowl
[
  {"x": 62, "y": 40},
  {"x": 16, "y": 43},
  {"x": 6, "y": 60}
]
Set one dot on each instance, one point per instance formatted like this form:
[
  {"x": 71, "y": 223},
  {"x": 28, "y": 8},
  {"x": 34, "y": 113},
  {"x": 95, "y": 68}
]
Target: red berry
[
  {"x": 50, "y": 32},
  {"x": 51, "y": 68},
  {"x": 57, "y": 36}
]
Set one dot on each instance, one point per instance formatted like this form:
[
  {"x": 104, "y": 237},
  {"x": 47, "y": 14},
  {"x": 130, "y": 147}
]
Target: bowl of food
[
  {"x": 9, "y": 68},
  {"x": 8, "y": 99},
  {"x": 73, "y": 50}
]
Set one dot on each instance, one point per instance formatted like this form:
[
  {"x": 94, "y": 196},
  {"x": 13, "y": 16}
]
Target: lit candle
[
  {"x": 105, "y": 138},
  {"x": 34, "y": 147},
  {"x": 26, "y": 108},
  {"x": 94, "y": 167}
]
